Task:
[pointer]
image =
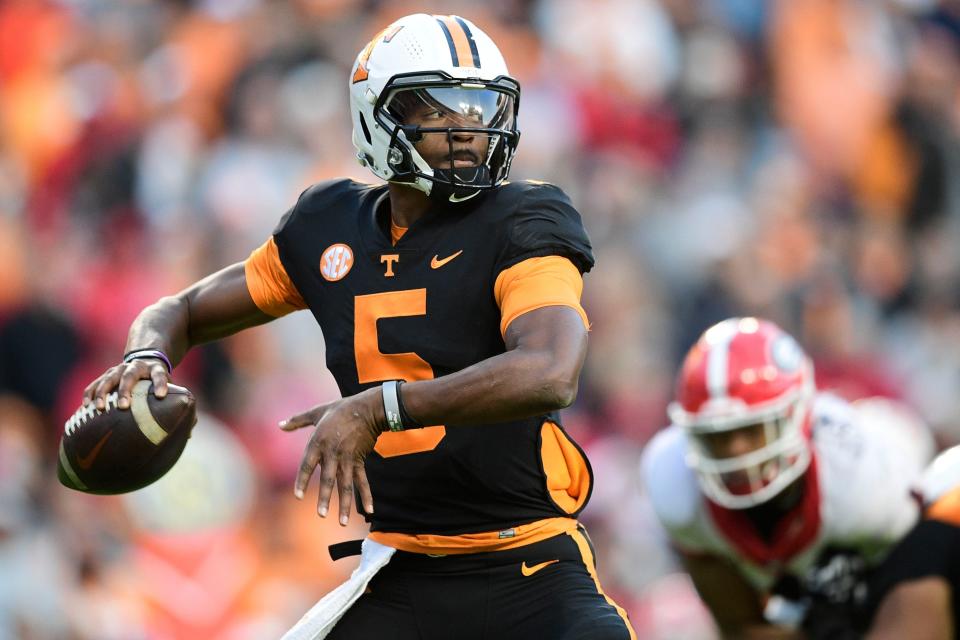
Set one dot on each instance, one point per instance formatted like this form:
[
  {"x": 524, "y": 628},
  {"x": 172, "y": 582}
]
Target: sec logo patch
[{"x": 336, "y": 261}]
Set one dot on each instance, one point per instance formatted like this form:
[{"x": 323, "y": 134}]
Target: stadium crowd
[{"x": 796, "y": 160}]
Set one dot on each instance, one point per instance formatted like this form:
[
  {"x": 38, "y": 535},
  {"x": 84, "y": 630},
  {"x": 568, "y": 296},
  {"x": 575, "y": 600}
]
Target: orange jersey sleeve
[
  {"x": 268, "y": 282},
  {"x": 536, "y": 283},
  {"x": 947, "y": 508}
]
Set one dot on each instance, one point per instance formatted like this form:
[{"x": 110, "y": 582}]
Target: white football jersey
[{"x": 867, "y": 456}]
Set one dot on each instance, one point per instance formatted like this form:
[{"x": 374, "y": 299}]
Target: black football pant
[{"x": 544, "y": 591}]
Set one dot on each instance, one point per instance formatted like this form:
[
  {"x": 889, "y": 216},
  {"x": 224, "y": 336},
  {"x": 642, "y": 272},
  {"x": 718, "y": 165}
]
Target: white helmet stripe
[{"x": 718, "y": 360}]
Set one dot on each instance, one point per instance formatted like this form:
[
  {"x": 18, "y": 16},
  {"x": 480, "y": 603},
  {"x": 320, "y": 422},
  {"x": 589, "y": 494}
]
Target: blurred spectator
[
  {"x": 795, "y": 159},
  {"x": 35, "y": 573}
]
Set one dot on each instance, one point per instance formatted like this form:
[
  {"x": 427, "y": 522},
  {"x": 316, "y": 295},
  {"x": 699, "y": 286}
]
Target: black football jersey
[{"x": 425, "y": 308}]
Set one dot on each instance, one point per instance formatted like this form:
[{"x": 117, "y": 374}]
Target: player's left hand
[{"x": 346, "y": 432}]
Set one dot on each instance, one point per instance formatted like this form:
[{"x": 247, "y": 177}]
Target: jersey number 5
[{"x": 376, "y": 366}]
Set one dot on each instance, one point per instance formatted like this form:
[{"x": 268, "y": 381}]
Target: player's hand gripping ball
[{"x": 119, "y": 450}]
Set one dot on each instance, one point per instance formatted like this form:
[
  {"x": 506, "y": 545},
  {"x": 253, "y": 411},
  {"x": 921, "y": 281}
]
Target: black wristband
[
  {"x": 154, "y": 354},
  {"x": 408, "y": 422}
]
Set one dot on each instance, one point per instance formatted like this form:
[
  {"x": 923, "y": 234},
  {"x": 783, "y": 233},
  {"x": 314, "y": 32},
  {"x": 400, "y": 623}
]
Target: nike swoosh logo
[
  {"x": 87, "y": 461},
  {"x": 436, "y": 263},
  {"x": 529, "y": 571},
  {"x": 454, "y": 198}
]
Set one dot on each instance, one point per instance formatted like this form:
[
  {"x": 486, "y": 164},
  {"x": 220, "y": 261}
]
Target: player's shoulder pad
[
  {"x": 868, "y": 462},
  {"x": 669, "y": 481},
  {"x": 542, "y": 221},
  {"x": 323, "y": 199}
]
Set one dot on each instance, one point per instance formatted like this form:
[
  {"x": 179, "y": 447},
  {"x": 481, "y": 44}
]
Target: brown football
[{"x": 119, "y": 450}]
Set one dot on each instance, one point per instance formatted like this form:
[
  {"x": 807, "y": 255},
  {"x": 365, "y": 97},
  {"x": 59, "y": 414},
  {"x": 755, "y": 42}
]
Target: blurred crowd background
[{"x": 796, "y": 159}]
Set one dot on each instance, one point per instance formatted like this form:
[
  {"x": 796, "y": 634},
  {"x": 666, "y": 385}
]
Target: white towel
[{"x": 322, "y": 617}]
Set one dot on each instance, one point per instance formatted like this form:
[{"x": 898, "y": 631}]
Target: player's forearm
[
  {"x": 215, "y": 307},
  {"x": 507, "y": 387},
  {"x": 164, "y": 325},
  {"x": 538, "y": 375},
  {"x": 918, "y": 609}
]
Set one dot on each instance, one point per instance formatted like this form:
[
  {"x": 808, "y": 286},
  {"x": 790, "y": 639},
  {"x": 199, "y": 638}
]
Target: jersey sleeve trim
[
  {"x": 536, "y": 283},
  {"x": 947, "y": 508},
  {"x": 270, "y": 287}
]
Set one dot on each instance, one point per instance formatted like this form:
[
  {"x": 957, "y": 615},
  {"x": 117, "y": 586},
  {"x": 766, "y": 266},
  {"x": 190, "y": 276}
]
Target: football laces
[{"x": 87, "y": 412}]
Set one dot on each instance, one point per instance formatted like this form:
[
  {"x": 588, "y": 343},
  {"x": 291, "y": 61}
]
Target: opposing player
[
  {"x": 760, "y": 480},
  {"x": 449, "y": 303}
]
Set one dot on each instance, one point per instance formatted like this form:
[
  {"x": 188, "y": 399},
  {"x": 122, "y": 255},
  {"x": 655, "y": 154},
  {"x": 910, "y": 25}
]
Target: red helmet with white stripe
[{"x": 745, "y": 380}]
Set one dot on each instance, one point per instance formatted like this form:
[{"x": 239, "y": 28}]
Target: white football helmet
[
  {"x": 941, "y": 476},
  {"x": 746, "y": 373},
  {"x": 447, "y": 63}
]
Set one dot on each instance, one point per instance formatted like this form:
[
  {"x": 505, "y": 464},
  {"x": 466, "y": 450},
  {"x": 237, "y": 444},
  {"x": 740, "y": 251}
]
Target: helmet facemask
[
  {"x": 464, "y": 111},
  {"x": 749, "y": 479}
]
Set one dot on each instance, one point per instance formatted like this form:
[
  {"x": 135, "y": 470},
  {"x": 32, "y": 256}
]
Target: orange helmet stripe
[{"x": 463, "y": 48}]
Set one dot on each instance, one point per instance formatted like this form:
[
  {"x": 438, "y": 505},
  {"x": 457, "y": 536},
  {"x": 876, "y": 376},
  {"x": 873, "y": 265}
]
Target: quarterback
[
  {"x": 765, "y": 485},
  {"x": 449, "y": 301}
]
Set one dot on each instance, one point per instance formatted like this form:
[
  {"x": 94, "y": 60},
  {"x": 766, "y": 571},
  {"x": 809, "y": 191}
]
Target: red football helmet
[{"x": 744, "y": 398}]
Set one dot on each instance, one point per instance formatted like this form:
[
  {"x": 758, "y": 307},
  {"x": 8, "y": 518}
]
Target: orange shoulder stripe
[
  {"x": 947, "y": 508},
  {"x": 536, "y": 283},
  {"x": 269, "y": 285}
]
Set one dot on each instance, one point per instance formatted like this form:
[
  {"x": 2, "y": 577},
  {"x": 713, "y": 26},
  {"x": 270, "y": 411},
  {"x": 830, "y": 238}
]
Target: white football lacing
[{"x": 84, "y": 413}]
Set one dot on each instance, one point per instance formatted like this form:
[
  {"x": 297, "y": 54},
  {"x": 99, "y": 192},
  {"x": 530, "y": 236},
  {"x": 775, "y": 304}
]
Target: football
[{"x": 117, "y": 450}]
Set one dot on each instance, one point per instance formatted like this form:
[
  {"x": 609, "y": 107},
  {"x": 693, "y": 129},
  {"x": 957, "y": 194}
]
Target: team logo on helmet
[{"x": 786, "y": 353}]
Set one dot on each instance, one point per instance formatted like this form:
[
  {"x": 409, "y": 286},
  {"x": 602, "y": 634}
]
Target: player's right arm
[
  {"x": 914, "y": 586},
  {"x": 217, "y": 306},
  {"x": 918, "y": 609}
]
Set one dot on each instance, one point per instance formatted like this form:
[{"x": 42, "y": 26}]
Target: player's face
[
  {"x": 463, "y": 148},
  {"x": 739, "y": 442},
  {"x": 736, "y": 442}
]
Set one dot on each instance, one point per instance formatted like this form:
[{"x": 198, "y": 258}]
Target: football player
[
  {"x": 449, "y": 301},
  {"x": 765, "y": 485}
]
